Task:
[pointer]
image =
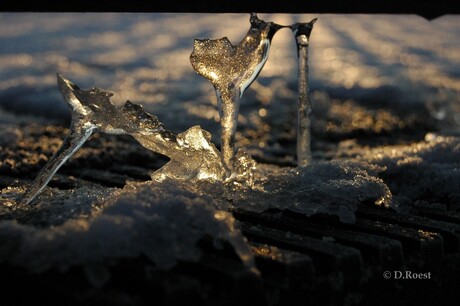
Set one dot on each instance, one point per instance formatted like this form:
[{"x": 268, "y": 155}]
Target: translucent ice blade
[
  {"x": 302, "y": 34},
  {"x": 70, "y": 145},
  {"x": 232, "y": 69},
  {"x": 256, "y": 45},
  {"x": 80, "y": 130}
]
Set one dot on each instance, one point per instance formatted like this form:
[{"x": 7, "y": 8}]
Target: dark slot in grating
[
  {"x": 377, "y": 249},
  {"x": 449, "y": 231},
  {"x": 438, "y": 215},
  {"x": 326, "y": 255}
]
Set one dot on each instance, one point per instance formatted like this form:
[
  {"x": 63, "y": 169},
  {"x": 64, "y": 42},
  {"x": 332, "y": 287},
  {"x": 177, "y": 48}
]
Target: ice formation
[
  {"x": 231, "y": 70},
  {"x": 302, "y": 33},
  {"x": 334, "y": 188},
  {"x": 191, "y": 153}
]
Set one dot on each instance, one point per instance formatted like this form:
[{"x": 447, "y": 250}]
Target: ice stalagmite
[
  {"x": 191, "y": 153},
  {"x": 302, "y": 35},
  {"x": 232, "y": 69}
]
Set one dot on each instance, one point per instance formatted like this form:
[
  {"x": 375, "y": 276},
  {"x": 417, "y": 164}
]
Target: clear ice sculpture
[
  {"x": 231, "y": 70},
  {"x": 302, "y": 33},
  {"x": 191, "y": 153}
]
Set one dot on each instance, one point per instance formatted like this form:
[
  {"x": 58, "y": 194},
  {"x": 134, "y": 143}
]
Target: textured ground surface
[{"x": 382, "y": 195}]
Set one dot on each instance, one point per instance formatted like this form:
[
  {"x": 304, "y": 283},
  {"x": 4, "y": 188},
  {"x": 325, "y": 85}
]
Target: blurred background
[{"x": 370, "y": 74}]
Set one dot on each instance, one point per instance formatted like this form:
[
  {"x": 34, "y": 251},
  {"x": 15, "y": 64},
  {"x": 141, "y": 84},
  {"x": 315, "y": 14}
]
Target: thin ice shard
[
  {"x": 231, "y": 70},
  {"x": 80, "y": 131},
  {"x": 191, "y": 153},
  {"x": 302, "y": 33}
]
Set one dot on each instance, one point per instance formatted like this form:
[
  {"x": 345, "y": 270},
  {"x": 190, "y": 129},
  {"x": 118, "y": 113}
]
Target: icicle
[{"x": 302, "y": 34}]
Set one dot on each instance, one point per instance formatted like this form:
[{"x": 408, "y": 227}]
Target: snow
[
  {"x": 157, "y": 220},
  {"x": 423, "y": 171}
]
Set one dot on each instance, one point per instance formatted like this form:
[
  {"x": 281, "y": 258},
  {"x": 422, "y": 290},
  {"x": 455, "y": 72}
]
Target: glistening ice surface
[
  {"x": 231, "y": 69},
  {"x": 385, "y": 97},
  {"x": 192, "y": 155}
]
